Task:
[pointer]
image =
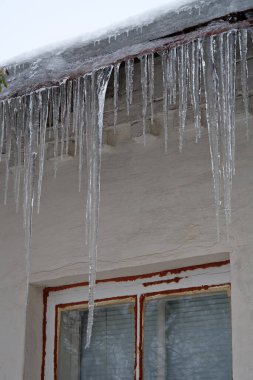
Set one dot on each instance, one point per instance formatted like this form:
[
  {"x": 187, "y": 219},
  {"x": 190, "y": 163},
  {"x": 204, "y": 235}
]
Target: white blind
[
  {"x": 188, "y": 338},
  {"x": 112, "y": 350}
]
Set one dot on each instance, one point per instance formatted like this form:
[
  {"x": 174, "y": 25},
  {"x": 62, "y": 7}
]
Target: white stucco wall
[{"x": 157, "y": 212}]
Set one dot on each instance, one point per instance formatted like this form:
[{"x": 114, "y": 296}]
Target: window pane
[
  {"x": 188, "y": 338},
  {"x": 112, "y": 351}
]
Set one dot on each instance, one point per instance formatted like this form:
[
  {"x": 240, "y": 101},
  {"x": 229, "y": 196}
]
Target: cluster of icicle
[{"x": 75, "y": 108}]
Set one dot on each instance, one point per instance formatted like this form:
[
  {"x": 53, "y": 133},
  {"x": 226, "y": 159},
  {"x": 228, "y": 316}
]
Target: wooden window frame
[{"x": 174, "y": 283}]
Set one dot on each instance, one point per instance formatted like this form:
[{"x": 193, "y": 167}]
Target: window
[
  {"x": 111, "y": 355},
  {"x": 171, "y": 325},
  {"x": 188, "y": 338}
]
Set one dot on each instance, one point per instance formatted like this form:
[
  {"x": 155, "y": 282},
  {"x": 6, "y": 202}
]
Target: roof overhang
[{"x": 198, "y": 18}]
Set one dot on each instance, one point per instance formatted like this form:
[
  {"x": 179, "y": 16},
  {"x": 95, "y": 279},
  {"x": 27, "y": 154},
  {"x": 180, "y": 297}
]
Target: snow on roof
[{"x": 87, "y": 52}]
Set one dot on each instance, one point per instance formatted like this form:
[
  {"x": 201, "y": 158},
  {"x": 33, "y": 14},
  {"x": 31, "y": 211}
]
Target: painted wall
[{"x": 157, "y": 212}]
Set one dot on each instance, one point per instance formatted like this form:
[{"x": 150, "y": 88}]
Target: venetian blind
[
  {"x": 188, "y": 338},
  {"x": 111, "y": 354}
]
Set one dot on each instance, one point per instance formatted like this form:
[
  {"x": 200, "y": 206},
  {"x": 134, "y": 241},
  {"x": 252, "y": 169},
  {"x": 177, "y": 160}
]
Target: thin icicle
[
  {"x": 144, "y": 87},
  {"x": 232, "y": 43},
  {"x": 194, "y": 85},
  {"x": 30, "y": 172},
  {"x": 165, "y": 98},
  {"x": 182, "y": 89},
  {"x": 243, "y": 45},
  {"x": 226, "y": 63},
  {"x": 116, "y": 94},
  {"x": 63, "y": 115},
  {"x": 16, "y": 137},
  {"x": 2, "y": 126},
  {"x": 10, "y": 115},
  {"x": 68, "y": 113},
  {"x": 50, "y": 112},
  {"x": 77, "y": 112},
  {"x": 43, "y": 109},
  {"x": 81, "y": 134},
  {"x": 172, "y": 75},
  {"x": 151, "y": 83},
  {"x": 56, "y": 112},
  {"x": 210, "y": 84},
  {"x": 95, "y": 87},
  {"x": 18, "y": 161},
  {"x": 31, "y": 148},
  {"x": 129, "y": 71}
]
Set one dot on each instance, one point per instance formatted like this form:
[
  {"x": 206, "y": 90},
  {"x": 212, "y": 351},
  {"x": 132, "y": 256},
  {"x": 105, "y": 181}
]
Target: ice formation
[{"x": 74, "y": 108}]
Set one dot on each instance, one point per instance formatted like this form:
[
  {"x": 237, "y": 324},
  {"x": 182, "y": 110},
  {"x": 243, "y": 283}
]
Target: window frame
[
  {"x": 197, "y": 279},
  {"x": 84, "y": 305},
  {"x": 222, "y": 288}
]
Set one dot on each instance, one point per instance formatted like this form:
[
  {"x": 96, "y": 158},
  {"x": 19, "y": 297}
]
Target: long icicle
[
  {"x": 144, "y": 87},
  {"x": 172, "y": 75},
  {"x": 56, "y": 112},
  {"x": 95, "y": 87},
  {"x": 10, "y": 115},
  {"x": 77, "y": 112},
  {"x": 243, "y": 45},
  {"x": 165, "y": 98},
  {"x": 151, "y": 83},
  {"x": 116, "y": 94},
  {"x": 81, "y": 134},
  {"x": 31, "y": 152},
  {"x": 182, "y": 90},
  {"x": 129, "y": 71},
  {"x": 68, "y": 113},
  {"x": 3, "y": 126},
  {"x": 226, "y": 64},
  {"x": 63, "y": 128},
  {"x": 19, "y": 139},
  {"x": 210, "y": 84},
  {"x": 43, "y": 108},
  {"x": 194, "y": 57}
]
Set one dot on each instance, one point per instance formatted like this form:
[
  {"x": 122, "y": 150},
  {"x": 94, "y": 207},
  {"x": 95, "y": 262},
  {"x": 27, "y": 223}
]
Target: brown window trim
[
  {"x": 139, "y": 304},
  {"x": 84, "y": 304},
  {"x": 174, "y": 293}
]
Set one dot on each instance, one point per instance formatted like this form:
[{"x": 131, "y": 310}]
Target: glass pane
[
  {"x": 188, "y": 338},
  {"x": 111, "y": 354}
]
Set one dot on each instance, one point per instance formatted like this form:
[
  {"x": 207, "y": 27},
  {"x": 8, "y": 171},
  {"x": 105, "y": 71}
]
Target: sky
[{"x": 28, "y": 25}]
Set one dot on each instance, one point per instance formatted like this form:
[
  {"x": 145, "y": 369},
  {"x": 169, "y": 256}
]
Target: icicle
[
  {"x": 165, "y": 98},
  {"x": 210, "y": 83},
  {"x": 30, "y": 172},
  {"x": 226, "y": 63},
  {"x": 81, "y": 134},
  {"x": 144, "y": 87},
  {"x": 95, "y": 88},
  {"x": 194, "y": 85},
  {"x": 50, "y": 112},
  {"x": 243, "y": 44},
  {"x": 232, "y": 40},
  {"x": 77, "y": 112},
  {"x": 2, "y": 126},
  {"x": 68, "y": 113},
  {"x": 172, "y": 75},
  {"x": 116, "y": 94},
  {"x": 129, "y": 70},
  {"x": 18, "y": 161},
  {"x": 182, "y": 88},
  {"x": 63, "y": 115},
  {"x": 56, "y": 111},
  {"x": 151, "y": 84},
  {"x": 16, "y": 137},
  {"x": 9, "y": 125},
  {"x": 43, "y": 109}
]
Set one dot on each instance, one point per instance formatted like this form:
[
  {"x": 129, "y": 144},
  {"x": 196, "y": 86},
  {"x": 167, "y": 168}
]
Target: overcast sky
[{"x": 31, "y": 24}]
